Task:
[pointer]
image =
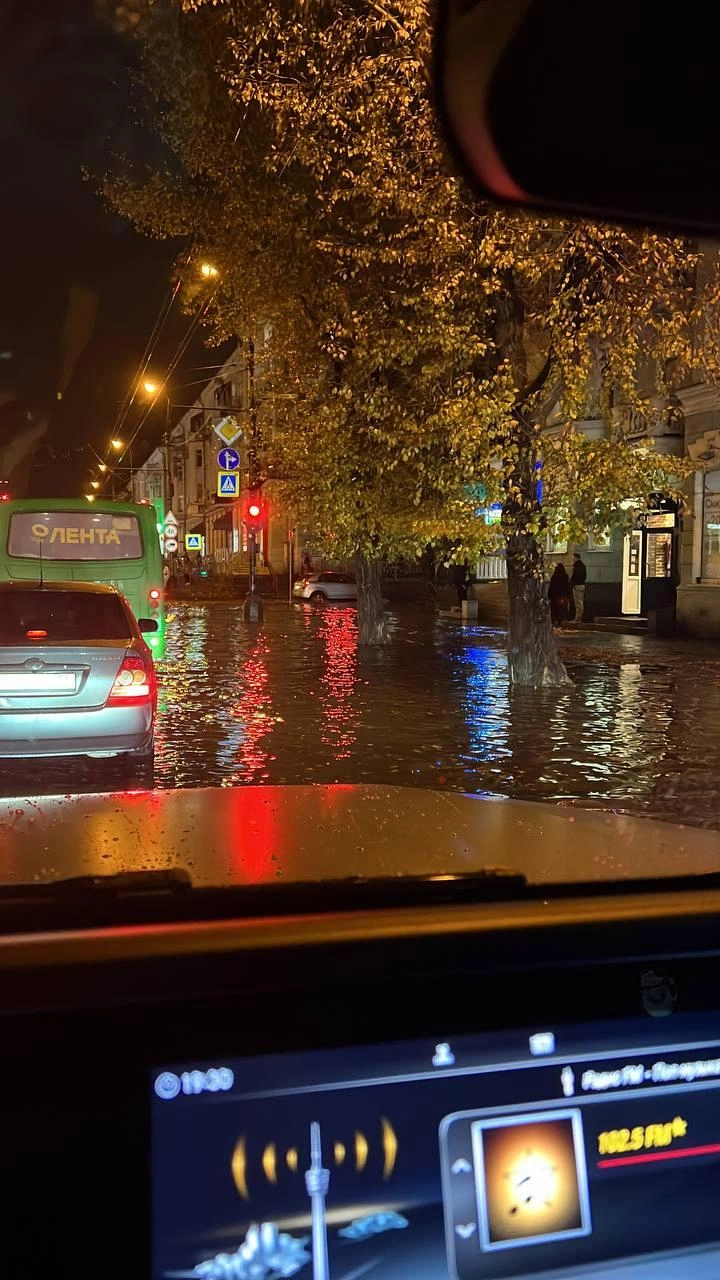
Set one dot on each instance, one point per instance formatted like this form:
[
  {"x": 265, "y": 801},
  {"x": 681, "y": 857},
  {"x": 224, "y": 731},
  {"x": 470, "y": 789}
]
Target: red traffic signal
[{"x": 255, "y": 512}]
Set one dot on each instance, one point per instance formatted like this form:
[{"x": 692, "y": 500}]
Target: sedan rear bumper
[{"x": 107, "y": 730}]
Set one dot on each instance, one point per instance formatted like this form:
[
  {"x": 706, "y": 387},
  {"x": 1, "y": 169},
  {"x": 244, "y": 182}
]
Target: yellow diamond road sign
[
  {"x": 228, "y": 430},
  {"x": 228, "y": 484}
]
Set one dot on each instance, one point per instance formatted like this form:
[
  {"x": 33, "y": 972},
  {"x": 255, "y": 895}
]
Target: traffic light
[{"x": 255, "y": 512}]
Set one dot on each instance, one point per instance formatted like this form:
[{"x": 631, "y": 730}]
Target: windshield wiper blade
[
  {"x": 120, "y": 884},
  {"x": 141, "y": 897}
]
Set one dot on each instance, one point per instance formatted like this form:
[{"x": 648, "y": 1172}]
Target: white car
[{"x": 320, "y": 587}]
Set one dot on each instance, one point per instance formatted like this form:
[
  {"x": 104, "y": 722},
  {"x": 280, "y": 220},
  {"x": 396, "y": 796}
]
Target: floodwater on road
[{"x": 294, "y": 701}]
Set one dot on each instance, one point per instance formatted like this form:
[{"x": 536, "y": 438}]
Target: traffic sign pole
[
  {"x": 253, "y": 606},
  {"x": 170, "y": 539}
]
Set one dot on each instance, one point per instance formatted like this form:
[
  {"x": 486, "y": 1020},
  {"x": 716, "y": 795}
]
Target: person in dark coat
[
  {"x": 578, "y": 578},
  {"x": 461, "y": 580},
  {"x": 559, "y": 594}
]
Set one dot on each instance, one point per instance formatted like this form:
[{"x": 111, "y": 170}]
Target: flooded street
[{"x": 294, "y": 702}]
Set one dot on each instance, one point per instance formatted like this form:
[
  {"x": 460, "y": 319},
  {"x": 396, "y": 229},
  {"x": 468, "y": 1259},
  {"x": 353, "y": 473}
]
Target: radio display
[{"x": 543, "y": 1152}]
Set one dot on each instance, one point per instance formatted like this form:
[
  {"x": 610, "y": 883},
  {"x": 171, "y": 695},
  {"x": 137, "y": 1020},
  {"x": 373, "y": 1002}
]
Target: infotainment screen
[{"x": 546, "y": 1152}]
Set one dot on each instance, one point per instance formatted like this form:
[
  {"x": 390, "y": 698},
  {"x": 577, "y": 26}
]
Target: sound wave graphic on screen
[{"x": 274, "y": 1161}]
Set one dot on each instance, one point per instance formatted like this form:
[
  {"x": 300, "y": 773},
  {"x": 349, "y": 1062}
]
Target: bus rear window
[{"x": 74, "y": 535}]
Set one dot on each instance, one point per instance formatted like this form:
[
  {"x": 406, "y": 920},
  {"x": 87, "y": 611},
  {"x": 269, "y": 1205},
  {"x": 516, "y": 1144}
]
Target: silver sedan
[
  {"x": 76, "y": 675},
  {"x": 320, "y": 587}
]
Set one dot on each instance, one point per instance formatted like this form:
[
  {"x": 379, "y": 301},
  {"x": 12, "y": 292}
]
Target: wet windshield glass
[{"x": 406, "y": 492}]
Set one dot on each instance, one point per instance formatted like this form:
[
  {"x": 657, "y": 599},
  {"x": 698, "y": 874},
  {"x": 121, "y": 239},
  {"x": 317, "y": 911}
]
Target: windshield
[
  {"x": 423, "y": 495},
  {"x": 37, "y": 616}
]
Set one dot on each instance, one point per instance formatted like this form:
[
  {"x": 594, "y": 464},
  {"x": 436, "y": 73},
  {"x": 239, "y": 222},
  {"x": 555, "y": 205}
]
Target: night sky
[{"x": 65, "y": 95}]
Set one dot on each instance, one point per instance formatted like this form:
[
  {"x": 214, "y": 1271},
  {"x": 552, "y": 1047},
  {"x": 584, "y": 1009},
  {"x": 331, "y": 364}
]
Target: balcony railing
[{"x": 491, "y": 568}]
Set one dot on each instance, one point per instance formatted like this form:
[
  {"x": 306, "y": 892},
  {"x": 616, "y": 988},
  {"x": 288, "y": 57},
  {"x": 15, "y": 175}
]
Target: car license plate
[{"x": 37, "y": 681}]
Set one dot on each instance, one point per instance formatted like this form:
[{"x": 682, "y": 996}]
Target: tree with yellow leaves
[{"x": 432, "y": 344}]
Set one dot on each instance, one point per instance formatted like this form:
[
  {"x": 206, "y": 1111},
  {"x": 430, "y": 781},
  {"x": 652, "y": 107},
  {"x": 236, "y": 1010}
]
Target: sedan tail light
[{"x": 134, "y": 683}]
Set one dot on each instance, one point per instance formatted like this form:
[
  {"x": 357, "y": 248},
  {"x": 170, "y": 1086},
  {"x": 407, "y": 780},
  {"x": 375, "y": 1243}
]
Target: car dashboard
[{"x": 475, "y": 1083}]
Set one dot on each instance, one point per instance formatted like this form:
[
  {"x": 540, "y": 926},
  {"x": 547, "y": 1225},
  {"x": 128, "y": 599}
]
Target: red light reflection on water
[
  {"x": 338, "y": 632},
  {"x": 253, "y": 711}
]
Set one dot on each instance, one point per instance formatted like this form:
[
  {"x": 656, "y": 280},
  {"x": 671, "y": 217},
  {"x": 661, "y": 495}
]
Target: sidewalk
[{"x": 584, "y": 644}]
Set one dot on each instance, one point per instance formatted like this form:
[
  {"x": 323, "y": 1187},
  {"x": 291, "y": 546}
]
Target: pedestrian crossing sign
[{"x": 228, "y": 484}]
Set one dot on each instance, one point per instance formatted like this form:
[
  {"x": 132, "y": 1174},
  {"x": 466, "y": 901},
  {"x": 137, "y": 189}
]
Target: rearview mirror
[
  {"x": 147, "y": 624},
  {"x": 611, "y": 111}
]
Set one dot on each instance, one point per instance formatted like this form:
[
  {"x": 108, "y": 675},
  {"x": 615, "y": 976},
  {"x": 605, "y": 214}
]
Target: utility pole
[
  {"x": 167, "y": 480},
  {"x": 253, "y": 608}
]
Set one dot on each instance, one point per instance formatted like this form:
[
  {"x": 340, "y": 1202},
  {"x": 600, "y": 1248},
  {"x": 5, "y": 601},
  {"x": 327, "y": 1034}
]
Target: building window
[
  {"x": 196, "y": 424},
  {"x": 223, "y": 395},
  {"x": 199, "y": 491},
  {"x": 711, "y": 525},
  {"x": 600, "y": 540},
  {"x": 199, "y": 459},
  {"x": 553, "y": 548}
]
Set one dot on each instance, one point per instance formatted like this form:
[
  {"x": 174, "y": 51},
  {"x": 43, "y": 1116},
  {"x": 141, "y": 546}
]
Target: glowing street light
[
  {"x": 102, "y": 466},
  {"x": 94, "y": 484},
  {"x": 116, "y": 444},
  {"x": 150, "y": 387},
  {"x": 208, "y": 271},
  {"x": 89, "y": 497}
]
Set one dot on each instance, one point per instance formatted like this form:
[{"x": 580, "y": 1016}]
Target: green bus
[{"x": 70, "y": 539}]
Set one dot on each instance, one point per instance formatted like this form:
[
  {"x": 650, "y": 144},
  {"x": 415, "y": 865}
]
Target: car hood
[{"x": 259, "y": 835}]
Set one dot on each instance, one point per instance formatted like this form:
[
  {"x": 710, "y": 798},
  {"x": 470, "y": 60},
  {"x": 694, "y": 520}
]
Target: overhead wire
[
  {"x": 145, "y": 359},
  {"x": 177, "y": 357},
  {"x": 149, "y": 350}
]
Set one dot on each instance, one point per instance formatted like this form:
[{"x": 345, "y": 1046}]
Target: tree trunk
[
  {"x": 372, "y": 626},
  {"x": 532, "y": 655}
]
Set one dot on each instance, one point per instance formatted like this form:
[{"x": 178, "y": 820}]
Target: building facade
[
  {"x": 184, "y": 469},
  {"x": 698, "y": 594}
]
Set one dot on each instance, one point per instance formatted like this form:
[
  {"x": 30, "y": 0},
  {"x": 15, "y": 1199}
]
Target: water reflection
[
  {"x": 246, "y": 746},
  {"x": 485, "y": 702},
  {"x": 338, "y": 634},
  {"x": 294, "y": 702}
]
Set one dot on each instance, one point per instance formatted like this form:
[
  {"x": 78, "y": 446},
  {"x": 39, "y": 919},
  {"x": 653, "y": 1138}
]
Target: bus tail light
[
  {"x": 155, "y": 594},
  {"x": 134, "y": 683}
]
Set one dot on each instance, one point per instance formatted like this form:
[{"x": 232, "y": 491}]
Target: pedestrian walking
[
  {"x": 578, "y": 578},
  {"x": 559, "y": 595}
]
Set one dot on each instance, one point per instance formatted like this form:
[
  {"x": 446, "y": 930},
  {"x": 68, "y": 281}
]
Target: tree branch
[{"x": 537, "y": 383}]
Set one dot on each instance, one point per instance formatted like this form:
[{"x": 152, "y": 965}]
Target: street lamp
[
  {"x": 102, "y": 466},
  {"x": 89, "y": 497},
  {"x": 150, "y": 387},
  {"x": 208, "y": 271},
  {"x": 116, "y": 444},
  {"x": 94, "y": 484}
]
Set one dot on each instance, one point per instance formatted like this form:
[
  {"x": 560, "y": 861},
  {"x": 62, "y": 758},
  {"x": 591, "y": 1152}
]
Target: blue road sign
[
  {"x": 228, "y": 459},
  {"x": 228, "y": 484},
  {"x": 193, "y": 542}
]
